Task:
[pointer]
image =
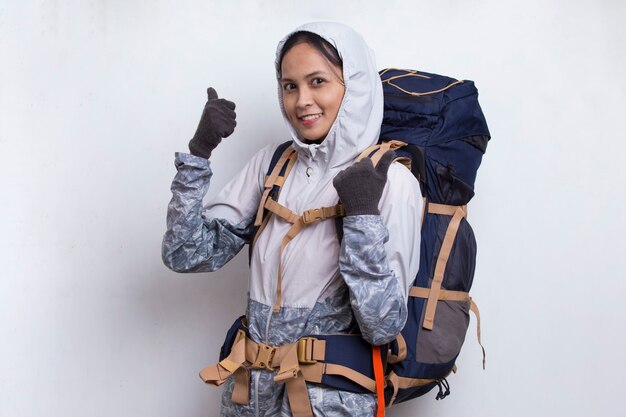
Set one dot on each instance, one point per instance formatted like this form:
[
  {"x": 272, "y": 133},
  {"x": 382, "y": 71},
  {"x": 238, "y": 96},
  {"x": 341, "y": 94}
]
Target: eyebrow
[{"x": 312, "y": 74}]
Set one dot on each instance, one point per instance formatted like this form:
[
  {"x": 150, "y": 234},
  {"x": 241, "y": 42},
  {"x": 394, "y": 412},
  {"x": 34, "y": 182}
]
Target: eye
[
  {"x": 289, "y": 86},
  {"x": 318, "y": 81}
]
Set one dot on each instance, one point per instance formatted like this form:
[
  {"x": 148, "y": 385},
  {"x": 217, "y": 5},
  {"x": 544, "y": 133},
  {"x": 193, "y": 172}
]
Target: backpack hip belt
[{"x": 318, "y": 359}]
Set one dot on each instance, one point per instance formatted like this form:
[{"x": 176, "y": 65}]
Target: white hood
[{"x": 358, "y": 122}]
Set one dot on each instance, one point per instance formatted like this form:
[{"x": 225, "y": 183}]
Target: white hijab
[{"x": 358, "y": 122}]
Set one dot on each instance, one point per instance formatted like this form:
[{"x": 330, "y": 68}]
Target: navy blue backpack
[{"x": 445, "y": 132}]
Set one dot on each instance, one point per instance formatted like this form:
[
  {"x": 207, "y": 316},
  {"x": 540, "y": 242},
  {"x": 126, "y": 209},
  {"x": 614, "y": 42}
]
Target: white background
[{"x": 96, "y": 96}]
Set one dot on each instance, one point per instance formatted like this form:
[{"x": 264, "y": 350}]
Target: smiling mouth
[{"x": 310, "y": 117}]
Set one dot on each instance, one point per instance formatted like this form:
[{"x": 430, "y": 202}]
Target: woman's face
[{"x": 312, "y": 90}]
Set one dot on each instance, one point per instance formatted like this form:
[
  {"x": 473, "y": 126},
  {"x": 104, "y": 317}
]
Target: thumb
[
  {"x": 383, "y": 165},
  {"x": 211, "y": 93}
]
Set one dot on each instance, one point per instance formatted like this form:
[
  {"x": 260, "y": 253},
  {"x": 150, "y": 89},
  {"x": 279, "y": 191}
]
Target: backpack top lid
[
  {"x": 442, "y": 117},
  {"x": 427, "y": 109}
]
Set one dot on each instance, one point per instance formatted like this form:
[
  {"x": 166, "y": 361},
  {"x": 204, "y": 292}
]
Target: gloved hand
[
  {"x": 360, "y": 186},
  {"x": 217, "y": 122}
]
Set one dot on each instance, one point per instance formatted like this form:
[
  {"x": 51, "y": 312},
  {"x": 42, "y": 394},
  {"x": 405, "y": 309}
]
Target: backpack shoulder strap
[{"x": 280, "y": 165}]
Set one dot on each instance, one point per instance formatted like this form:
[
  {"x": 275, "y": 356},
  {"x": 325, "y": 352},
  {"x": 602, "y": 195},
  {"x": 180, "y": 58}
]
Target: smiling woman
[
  {"x": 311, "y": 77},
  {"x": 304, "y": 284}
]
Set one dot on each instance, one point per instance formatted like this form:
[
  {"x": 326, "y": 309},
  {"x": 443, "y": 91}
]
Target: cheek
[
  {"x": 288, "y": 105},
  {"x": 336, "y": 97},
  {"x": 334, "y": 101}
]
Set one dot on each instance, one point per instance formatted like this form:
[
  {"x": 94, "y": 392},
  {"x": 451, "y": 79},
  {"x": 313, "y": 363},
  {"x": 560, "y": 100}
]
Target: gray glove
[
  {"x": 360, "y": 186},
  {"x": 217, "y": 122}
]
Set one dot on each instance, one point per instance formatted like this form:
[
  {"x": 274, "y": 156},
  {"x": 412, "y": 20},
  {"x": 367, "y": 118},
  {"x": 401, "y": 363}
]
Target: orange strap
[{"x": 380, "y": 380}]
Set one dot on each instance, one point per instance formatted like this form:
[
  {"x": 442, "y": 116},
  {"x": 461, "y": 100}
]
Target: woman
[{"x": 331, "y": 97}]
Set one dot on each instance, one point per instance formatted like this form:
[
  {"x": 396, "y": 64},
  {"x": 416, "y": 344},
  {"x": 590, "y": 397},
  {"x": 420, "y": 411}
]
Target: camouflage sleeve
[
  {"x": 192, "y": 242},
  {"x": 377, "y": 295}
]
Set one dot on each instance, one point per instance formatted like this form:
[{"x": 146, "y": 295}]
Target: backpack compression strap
[{"x": 435, "y": 292}]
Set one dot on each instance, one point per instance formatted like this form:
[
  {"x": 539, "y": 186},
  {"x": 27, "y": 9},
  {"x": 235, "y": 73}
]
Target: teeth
[{"x": 312, "y": 116}]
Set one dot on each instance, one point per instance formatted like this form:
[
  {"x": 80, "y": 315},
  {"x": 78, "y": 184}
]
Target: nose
[{"x": 305, "y": 98}]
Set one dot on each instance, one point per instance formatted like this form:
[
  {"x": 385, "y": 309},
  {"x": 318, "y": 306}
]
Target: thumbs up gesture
[{"x": 217, "y": 122}]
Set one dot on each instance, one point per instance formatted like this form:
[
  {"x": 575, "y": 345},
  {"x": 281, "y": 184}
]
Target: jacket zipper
[
  {"x": 269, "y": 317},
  {"x": 257, "y": 375}
]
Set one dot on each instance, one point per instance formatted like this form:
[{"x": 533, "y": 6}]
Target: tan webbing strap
[
  {"x": 293, "y": 230},
  {"x": 377, "y": 152},
  {"x": 401, "y": 351},
  {"x": 262, "y": 356},
  {"x": 279, "y": 181},
  {"x": 396, "y": 144},
  {"x": 367, "y": 152},
  {"x": 323, "y": 213},
  {"x": 351, "y": 374},
  {"x": 241, "y": 390},
  {"x": 217, "y": 374},
  {"x": 313, "y": 372},
  {"x": 474, "y": 309},
  {"x": 447, "y": 295},
  {"x": 392, "y": 380},
  {"x": 281, "y": 211},
  {"x": 290, "y": 374},
  {"x": 444, "y": 295},
  {"x": 440, "y": 267},
  {"x": 397, "y": 382},
  {"x": 259, "y": 213},
  {"x": 404, "y": 383},
  {"x": 298, "y": 223},
  {"x": 292, "y": 161},
  {"x": 233, "y": 364},
  {"x": 269, "y": 182},
  {"x": 289, "y": 156},
  {"x": 382, "y": 149},
  {"x": 444, "y": 209}
]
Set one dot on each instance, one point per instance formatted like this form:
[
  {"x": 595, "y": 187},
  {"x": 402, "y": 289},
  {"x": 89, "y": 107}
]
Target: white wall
[{"x": 96, "y": 96}]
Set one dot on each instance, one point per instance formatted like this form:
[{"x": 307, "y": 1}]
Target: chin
[
  {"x": 308, "y": 138},
  {"x": 310, "y": 141}
]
